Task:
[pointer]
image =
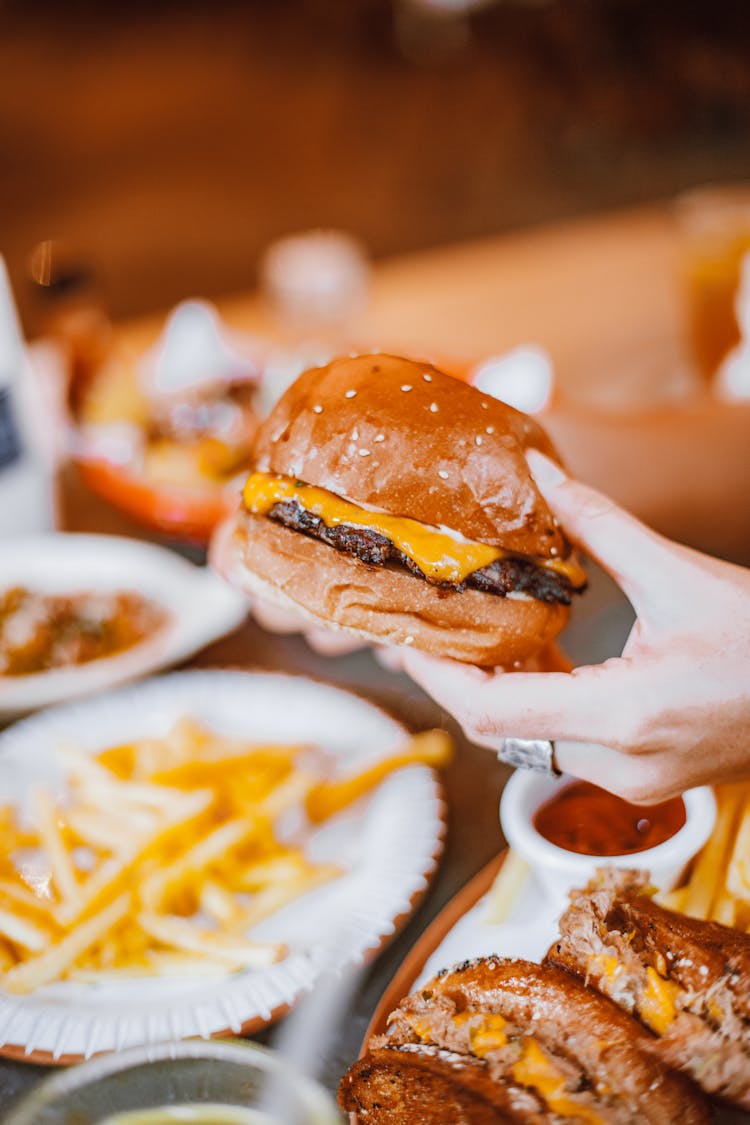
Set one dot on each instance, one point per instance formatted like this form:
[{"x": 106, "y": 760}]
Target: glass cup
[
  {"x": 206, "y": 1082},
  {"x": 714, "y": 236}
]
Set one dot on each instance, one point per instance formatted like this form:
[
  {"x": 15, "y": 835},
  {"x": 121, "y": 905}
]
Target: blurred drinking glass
[
  {"x": 204, "y": 1083},
  {"x": 70, "y": 309},
  {"x": 714, "y": 231},
  {"x": 317, "y": 285}
]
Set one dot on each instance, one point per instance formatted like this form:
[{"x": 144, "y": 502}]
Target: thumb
[{"x": 641, "y": 561}]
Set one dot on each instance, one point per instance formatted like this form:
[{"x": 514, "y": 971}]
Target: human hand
[
  {"x": 673, "y": 711},
  {"x": 326, "y": 642},
  {"x": 222, "y": 557}
]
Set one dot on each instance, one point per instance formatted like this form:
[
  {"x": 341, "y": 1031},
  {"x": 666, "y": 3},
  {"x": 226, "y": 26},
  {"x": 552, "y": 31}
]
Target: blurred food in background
[
  {"x": 79, "y": 613},
  {"x": 43, "y": 631},
  {"x": 186, "y": 404},
  {"x": 162, "y": 433}
]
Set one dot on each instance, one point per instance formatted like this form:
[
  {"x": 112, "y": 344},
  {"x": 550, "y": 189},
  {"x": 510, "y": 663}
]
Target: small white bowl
[{"x": 558, "y": 870}]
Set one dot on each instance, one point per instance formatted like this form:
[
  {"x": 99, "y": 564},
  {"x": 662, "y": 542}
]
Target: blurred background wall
[{"x": 171, "y": 141}]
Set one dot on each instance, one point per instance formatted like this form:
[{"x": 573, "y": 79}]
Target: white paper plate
[
  {"x": 389, "y": 845},
  {"x": 528, "y": 932},
  {"x": 201, "y": 608}
]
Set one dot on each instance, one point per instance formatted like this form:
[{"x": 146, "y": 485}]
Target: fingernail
[{"x": 544, "y": 471}]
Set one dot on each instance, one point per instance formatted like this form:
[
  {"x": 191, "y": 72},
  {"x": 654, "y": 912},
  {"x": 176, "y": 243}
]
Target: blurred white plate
[
  {"x": 200, "y": 607},
  {"x": 389, "y": 845}
]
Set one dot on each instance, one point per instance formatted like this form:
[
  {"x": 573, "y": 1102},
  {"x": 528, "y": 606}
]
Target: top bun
[{"x": 404, "y": 437}]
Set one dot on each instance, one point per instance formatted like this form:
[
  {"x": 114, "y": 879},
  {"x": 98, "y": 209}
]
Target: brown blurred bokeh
[{"x": 170, "y": 142}]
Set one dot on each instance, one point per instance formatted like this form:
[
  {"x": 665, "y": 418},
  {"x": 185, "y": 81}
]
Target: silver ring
[{"x": 530, "y": 754}]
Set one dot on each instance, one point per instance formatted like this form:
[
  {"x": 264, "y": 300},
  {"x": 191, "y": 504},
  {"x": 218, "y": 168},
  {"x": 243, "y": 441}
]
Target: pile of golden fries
[
  {"x": 163, "y": 853},
  {"x": 718, "y": 884}
]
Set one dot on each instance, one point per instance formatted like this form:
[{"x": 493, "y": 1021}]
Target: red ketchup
[{"x": 586, "y": 819}]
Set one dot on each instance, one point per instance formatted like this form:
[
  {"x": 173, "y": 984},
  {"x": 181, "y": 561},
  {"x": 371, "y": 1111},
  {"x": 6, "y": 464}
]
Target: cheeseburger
[{"x": 393, "y": 501}]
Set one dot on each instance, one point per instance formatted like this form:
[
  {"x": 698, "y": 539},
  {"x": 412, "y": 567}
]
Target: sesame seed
[
  {"x": 317, "y": 409},
  {"x": 379, "y": 437},
  {"x": 442, "y": 474},
  {"x": 433, "y": 407},
  {"x": 427, "y": 378},
  {"x": 364, "y": 452},
  {"x": 350, "y": 394},
  {"x": 355, "y": 434},
  {"x": 409, "y": 640},
  {"x": 406, "y": 386},
  {"x": 478, "y": 440},
  {"x": 490, "y": 429},
  {"x": 484, "y": 406},
  {"x": 553, "y": 550}
]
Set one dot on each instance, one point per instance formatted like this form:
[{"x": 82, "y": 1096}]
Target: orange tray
[
  {"x": 189, "y": 514},
  {"x": 413, "y": 964}
]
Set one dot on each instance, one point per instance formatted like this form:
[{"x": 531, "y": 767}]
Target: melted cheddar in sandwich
[
  {"x": 439, "y": 556},
  {"x": 488, "y": 1032},
  {"x": 657, "y": 1004},
  {"x": 606, "y": 966},
  {"x": 536, "y": 1070}
]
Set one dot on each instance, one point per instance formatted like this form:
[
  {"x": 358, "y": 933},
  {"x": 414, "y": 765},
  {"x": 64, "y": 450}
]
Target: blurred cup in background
[
  {"x": 714, "y": 236},
  {"x": 211, "y": 1083},
  {"x": 316, "y": 284}
]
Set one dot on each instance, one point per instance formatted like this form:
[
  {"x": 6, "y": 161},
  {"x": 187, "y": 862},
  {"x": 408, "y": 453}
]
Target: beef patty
[{"x": 501, "y": 577}]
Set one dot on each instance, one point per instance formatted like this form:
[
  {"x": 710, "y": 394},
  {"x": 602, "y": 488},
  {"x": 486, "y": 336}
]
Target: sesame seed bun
[
  {"x": 408, "y": 439},
  {"x": 404, "y": 438}
]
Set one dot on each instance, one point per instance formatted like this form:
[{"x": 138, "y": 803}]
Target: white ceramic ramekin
[{"x": 557, "y": 870}]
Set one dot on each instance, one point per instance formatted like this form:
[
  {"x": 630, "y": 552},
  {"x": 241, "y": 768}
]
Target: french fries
[
  {"x": 718, "y": 884},
  {"x": 58, "y": 957},
  {"x": 506, "y": 888},
  {"x": 164, "y": 853},
  {"x": 431, "y": 748}
]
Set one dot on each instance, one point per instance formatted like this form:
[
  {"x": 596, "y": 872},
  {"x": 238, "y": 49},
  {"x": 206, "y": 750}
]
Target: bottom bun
[{"x": 388, "y": 605}]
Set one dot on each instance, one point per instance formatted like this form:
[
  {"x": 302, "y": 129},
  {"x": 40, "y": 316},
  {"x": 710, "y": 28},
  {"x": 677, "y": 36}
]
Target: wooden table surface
[{"x": 602, "y": 296}]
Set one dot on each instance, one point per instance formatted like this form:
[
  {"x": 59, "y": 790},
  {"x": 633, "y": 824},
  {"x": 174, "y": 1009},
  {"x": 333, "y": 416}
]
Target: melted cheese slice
[
  {"x": 657, "y": 1004},
  {"x": 438, "y": 555},
  {"x": 605, "y": 965},
  {"x": 488, "y": 1035},
  {"x": 536, "y": 1070}
]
